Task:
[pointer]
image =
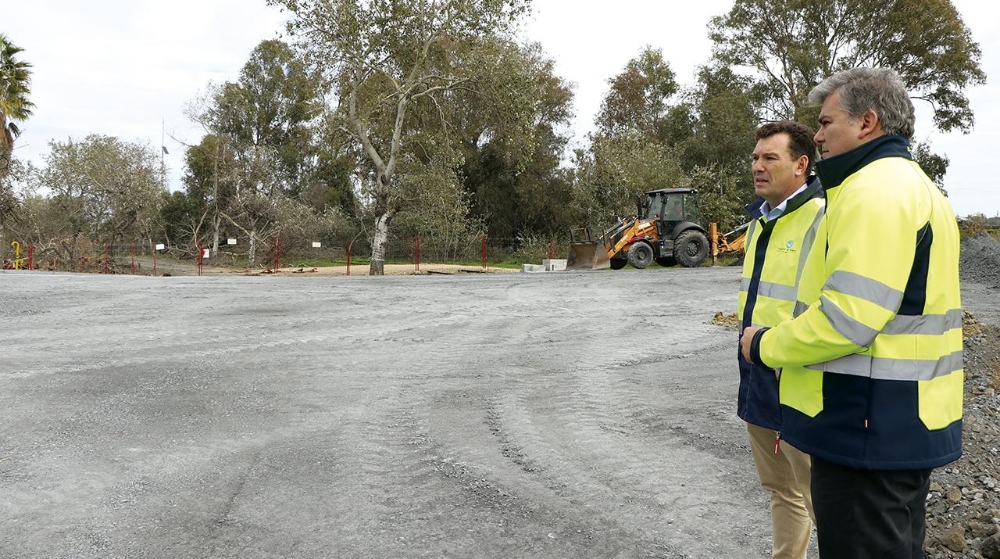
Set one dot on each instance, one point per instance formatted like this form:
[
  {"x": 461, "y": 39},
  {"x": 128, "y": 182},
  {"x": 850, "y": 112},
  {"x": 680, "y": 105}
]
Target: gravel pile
[
  {"x": 980, "y": 260},
  {"x": 963, "y": 508}
]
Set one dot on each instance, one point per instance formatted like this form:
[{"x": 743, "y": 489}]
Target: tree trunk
[
  {"x": 216, "y": 225},
  {"x": 252, "y": 253},
  {"x": 379, "y": 242}
]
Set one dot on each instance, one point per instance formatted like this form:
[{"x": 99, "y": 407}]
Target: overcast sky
[{"x": 127, "y": 68}]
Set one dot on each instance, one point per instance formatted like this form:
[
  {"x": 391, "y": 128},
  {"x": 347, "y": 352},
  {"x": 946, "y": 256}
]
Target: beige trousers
[{"x": 786, "y": 476}]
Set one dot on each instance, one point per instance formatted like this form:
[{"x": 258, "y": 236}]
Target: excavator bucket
[{"x": 587, "y": 256}]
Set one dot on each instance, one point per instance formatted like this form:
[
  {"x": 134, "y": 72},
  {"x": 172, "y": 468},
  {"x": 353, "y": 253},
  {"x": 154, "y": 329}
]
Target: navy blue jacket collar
[{"x": 832, "y": 171}]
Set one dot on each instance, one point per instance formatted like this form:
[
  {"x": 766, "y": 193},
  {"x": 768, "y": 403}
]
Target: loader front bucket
[{"x": 587, "y": 256}]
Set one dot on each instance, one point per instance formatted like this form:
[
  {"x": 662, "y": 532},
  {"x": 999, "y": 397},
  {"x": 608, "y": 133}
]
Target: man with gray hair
[{"x": 871, "y": 364}]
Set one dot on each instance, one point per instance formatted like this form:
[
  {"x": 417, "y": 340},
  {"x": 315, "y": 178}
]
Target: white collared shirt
[{"x": 772, "y": 214}]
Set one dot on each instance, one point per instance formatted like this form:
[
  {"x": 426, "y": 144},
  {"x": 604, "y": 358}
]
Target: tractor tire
[
  {"x": 618, "y": 263},
  {"x": 691, "y": 248},
  {"x": 666, "y": 261},
  {"x": 640, "y": 255}
]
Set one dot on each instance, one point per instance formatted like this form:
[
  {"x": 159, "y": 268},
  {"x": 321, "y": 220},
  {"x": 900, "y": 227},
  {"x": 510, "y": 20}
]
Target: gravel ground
[
  {"x": 529, "y": 415},
  {"x": 964, "y": 504},
  {"x": 477, "y": 415}
]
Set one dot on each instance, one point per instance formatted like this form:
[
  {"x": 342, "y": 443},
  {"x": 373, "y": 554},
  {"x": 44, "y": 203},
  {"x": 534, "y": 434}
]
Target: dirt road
[{"x": 547, "y": 415}]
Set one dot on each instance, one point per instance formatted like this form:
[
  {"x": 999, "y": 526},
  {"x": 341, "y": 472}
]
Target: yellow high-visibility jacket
[
  {"x": 872, "y": 364},
  {"x": 775, "y": 257}
]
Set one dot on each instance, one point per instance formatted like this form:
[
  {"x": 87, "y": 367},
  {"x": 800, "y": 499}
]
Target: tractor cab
[{"x": 669, "y": 208}]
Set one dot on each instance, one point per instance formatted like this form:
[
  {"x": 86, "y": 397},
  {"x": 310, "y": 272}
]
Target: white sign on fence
[
  {"x": 230, "y": 241},
  {"x": 206, "y": 252},
  {"x": 160, "y": 246},
  {"x": 317, "y": 244}
]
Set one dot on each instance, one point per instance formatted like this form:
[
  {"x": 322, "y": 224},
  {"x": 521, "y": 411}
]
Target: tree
[
  {"x": 15, "y": 87},
  {"x": 633, "y": 149},
  {"x": 933, "y": 164},
  {"x": 615, "y": 170},
  {"x": 107, "y": 190},
  {"x": 260, "y": 146},
  {"x": 210, "y": 180},
  {"x": 385, "y": 55},
  {"x": 637, "y": 101},
  {"x": 513, "y": 134},
  {"x": 721, "y": 120},
  {"x": 794, "y": 44},
  {"x": 271, "y": 106}
]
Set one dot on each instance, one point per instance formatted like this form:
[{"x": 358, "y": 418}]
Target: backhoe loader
[{"x": 665, "y": 229}]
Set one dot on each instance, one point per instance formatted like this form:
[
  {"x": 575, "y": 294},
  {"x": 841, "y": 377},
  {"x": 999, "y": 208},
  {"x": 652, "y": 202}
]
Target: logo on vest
[{"x": 789, "y": 247}]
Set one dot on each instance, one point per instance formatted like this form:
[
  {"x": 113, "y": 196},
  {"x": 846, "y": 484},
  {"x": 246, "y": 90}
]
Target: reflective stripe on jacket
[
  {"x": 872, "y": 365},
  {"x": 776, "y": 252}
]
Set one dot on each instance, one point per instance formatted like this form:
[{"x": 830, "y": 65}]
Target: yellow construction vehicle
[
  {"x": 665, "y": 229},
  {"x": 735, "y": 240}
]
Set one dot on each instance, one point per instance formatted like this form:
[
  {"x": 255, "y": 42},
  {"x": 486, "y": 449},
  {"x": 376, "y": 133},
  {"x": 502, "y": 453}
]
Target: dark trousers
[{"x": 872, "y": 514}]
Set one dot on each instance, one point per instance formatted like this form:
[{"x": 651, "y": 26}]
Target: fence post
[
  {"x": 277, "y": 253},
  {"x": 153, "y": 250},
  {"x": 713, "y": 235},
  {"x": 31, "y": 256},
  {"x": 416, "y": 259},
  {"x": 106, "y": 269},
  {"x": 348, "y": 257},
  {"x": 484, "y": 252},
  {"x": 201, "y": 256},
  {"x": 132, "y": 250}
]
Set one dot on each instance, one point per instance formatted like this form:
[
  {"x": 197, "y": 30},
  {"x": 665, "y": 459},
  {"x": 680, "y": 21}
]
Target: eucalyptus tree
[
  {"x": 385, "y": 56},
  {"x": 632, "y": 150},
  {"x": 791, "y": 45},
  {"x": 273, "y": 106},
  {"x": 260, "y": 146},
  {"x": 639, "y": 99},
  {"x": 514, "y": 129}
]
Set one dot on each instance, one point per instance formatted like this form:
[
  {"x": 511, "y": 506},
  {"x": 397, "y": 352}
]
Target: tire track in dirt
[{"x": 576, "y": 428}]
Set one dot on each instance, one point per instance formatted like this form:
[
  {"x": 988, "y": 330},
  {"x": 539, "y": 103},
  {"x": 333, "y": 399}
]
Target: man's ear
[
  {"x": 871, "y": 126},
  {"x": 802, "y": 166}
]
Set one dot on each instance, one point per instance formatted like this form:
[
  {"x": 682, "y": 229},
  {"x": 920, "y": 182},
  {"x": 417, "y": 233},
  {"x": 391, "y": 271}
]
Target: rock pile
[
  {"x": 963, "y": 508},
  {"x": 980, "y": 260}
]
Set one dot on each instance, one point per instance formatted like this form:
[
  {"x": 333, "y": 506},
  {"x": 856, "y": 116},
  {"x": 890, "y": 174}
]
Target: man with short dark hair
[
  {"x": 785, "y": 223},
  {"x": 871, "y": 382}
]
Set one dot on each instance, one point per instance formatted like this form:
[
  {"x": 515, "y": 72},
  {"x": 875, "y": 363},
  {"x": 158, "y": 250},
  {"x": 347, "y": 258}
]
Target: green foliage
[
  {"x": 792, "y": 45},
  {"x": 933, "y": 164},
  {"x": 15, "y": 106},
  {"x": 106, "y": 189},
  {"x": 512, "y": 145},
  {"x": 721, "y": 197},
  {"x": 637, "y": 102},
  {"x": 271, "y": 107},
  {"x": 13, "y": 187},
  {"x": 723, "y": 119},
  {"x": 181, "y": 214},
  {"x": 615, "y": 171},
  {"x": 386, "y": 58}
]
